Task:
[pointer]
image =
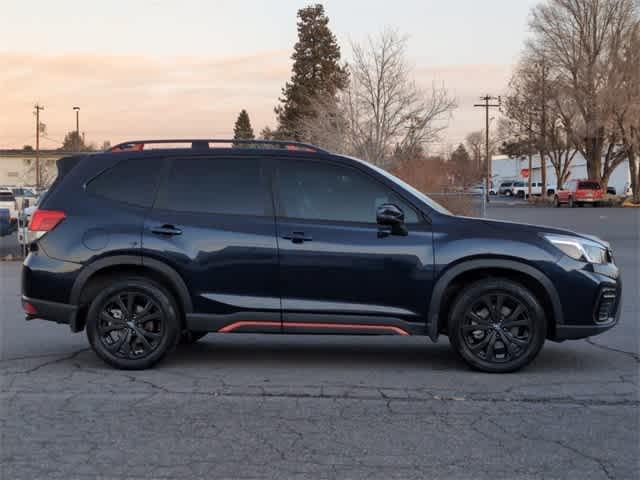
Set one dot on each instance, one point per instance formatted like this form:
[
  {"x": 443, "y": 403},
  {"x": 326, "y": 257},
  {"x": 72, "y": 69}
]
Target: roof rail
[{"x": 204, "y": 144}]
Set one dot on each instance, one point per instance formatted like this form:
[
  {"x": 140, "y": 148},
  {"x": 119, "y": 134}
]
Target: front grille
[{"x": 606, "y": 305}]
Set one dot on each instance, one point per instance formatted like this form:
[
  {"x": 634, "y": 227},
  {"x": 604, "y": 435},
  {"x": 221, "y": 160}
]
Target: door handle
[
  {"x": 297, "y": 237},
  {"x": 169, "y": 230}
]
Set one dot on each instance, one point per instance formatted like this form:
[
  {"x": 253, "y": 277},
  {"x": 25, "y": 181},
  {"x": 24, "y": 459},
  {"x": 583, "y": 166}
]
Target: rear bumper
[{"x": 52, "y": 311}]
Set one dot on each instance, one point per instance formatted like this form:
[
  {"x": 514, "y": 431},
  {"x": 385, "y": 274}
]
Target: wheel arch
[
  {"x": 95, "y": 275},
  {"x": 453, "y": 280}
]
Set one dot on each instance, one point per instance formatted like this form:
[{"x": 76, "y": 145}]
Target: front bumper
[{"x": 591, "y": 298}]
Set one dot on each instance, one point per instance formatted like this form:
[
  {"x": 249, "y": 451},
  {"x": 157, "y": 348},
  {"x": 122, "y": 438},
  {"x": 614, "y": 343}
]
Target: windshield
[{"x": 429, "y": 201}]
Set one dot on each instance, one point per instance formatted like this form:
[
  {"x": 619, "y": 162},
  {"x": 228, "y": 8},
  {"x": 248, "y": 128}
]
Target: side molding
[{"x": 480, "y": 264}]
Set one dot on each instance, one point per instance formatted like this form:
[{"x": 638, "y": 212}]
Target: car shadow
[
  {"x": 315, "y": 351},
  {"x": 371, "y": 353}
]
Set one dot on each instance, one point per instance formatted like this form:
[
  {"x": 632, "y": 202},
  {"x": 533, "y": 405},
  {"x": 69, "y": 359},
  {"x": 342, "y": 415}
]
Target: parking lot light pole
[{"x": 77, "y": 110}]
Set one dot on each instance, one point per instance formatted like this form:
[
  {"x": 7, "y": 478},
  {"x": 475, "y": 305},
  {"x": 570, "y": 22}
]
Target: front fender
[{"x": 450, "y": 274}]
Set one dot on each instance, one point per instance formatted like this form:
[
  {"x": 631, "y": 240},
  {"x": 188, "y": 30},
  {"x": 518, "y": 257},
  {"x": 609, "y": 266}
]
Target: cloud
[
  {"x": 132, "y": 96},
  {"x": 135, "y": 96}
]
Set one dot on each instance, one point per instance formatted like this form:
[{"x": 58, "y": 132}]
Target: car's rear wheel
[
  {"x": 556, "y": 202},
  {"x": 133, "y": 323},
  {"x": 497, "y": 326}
]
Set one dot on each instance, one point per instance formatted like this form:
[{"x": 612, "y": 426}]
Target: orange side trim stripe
[
  {"x": 346, "y": 326},
  {"x": 232, "y": 326}
]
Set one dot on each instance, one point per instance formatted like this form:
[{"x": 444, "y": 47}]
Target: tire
[
  {"x": 571, "y": 204},
  {"x": 188, "y": 337},
  {"x": 121, "y": 340},
  {"x": 508, "y": 193},
  {"x": 502, "y": 346},
  {"x": 556, "y": 202}
]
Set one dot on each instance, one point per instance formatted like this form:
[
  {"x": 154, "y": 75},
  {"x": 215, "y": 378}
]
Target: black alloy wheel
[
  {"x": 497, "y": 326},
  {"x": 132, "y": 324}
]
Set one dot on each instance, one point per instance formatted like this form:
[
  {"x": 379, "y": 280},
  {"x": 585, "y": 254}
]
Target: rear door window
[
  {"x": 132, "y": 181},
  {"x": 228, "y": 186}
]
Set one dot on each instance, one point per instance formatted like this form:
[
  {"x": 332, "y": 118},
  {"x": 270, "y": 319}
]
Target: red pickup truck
[{"x": 579, "y": 192}]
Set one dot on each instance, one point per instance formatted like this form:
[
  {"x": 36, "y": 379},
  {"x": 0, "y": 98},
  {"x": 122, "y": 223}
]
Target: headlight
[{"x": 579, "y": 248}]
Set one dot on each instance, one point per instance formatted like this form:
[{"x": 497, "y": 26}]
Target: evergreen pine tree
[
  {"x": 242, "y": 129},
  {"x": 317, "y": 71}
]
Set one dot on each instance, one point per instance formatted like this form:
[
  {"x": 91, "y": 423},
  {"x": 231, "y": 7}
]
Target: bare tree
[
  {"x": 48, "y": 172},
  {"x": 624, "y": 103},
  {"x": 475, "y": 143},
  {"x": 579, "y": 38},
  {"x": 383, "y": 108}
]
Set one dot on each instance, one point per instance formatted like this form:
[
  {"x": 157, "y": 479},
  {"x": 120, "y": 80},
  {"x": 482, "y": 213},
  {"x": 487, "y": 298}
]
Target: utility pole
[
  {"x": 38, "y": 107},
  {"x": 487, "y": 105},
  {"x": 543, "y": 150},
  {"x": 77, "y": 110}
]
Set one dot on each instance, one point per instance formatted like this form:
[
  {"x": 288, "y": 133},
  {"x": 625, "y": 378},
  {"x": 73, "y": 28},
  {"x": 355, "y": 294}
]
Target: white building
[
  {"x": 17, "y": 167},
  {"x": 505, "y": 168}
]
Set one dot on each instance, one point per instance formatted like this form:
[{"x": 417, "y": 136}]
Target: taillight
[{"x": 45, "y": 220}]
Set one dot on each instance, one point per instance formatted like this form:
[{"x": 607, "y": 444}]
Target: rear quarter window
[
  {"x": 6, "y": 197},
  {"x": 132, "y": 181}
]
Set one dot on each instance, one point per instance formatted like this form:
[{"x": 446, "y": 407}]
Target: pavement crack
[
  {"x": 635, "y": 356},
  {"x": 53, "y": 362}
]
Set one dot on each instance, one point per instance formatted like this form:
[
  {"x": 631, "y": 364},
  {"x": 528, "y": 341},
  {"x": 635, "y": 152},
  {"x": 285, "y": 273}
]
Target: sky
[{"x": 167, "y": 68}]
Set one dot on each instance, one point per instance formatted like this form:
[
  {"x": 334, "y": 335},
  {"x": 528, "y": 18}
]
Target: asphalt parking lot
[{"x": 327, "y": 407}]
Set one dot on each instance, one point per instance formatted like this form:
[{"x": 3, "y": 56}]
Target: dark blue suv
[{"x": 146, "y": 248}]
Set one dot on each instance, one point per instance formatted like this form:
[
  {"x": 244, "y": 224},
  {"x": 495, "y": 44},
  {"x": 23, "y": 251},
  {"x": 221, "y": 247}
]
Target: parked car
[
  {"x": 5, "y": 222},
  {"x": 506, "y": 188},
  {"x": 536, "y": 189},
  {"x": 479, "y": 189},
  {"x": 579, "y": 192},
  {"x": 519, "y": 189},
  {"x": 24, "y": 196},
  {"x": 8, "y": 201},
  {"x": 25, "y": 237},
  {"x": 147, "y": 248}
]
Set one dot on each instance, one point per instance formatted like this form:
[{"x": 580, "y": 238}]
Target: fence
[{"x": 469, "y": 203}]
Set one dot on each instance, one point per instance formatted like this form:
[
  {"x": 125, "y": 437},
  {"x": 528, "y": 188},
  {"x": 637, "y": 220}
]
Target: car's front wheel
[
  {"x": 497, "y": 326},
  {"x": 133, "y": 323}
]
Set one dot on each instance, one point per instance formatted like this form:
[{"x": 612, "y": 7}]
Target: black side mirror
[{"x": 390, "y": 215}]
